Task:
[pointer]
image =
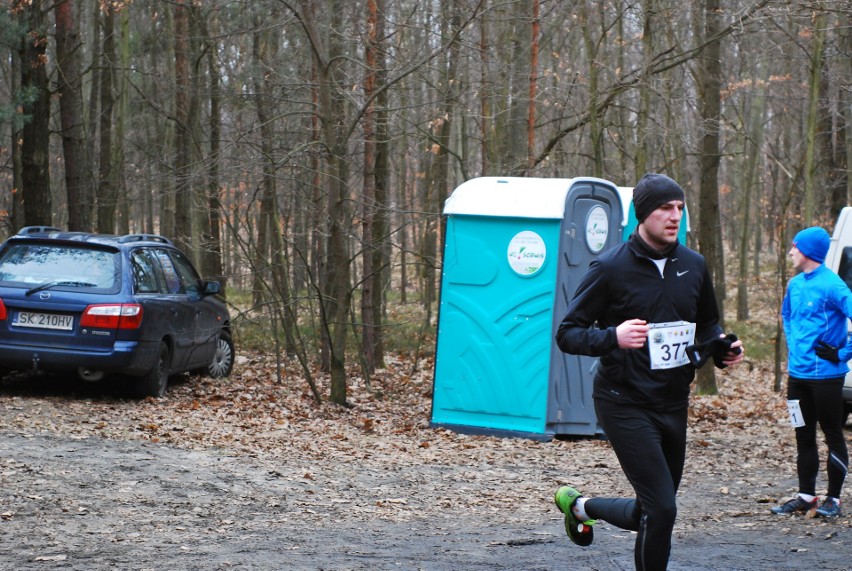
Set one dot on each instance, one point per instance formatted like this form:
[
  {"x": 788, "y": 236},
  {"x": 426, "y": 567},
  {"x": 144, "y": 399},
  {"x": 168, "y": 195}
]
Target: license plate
[{"x": 44, "y": 320}]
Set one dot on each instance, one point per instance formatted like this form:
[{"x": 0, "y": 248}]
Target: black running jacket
[{"x": 625, "y": 283}]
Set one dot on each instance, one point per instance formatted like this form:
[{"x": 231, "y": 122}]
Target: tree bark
[
  {"x": 211, "y": 256},
  {"x": 107, "y": 189},
  {"x": 182, "y": 232},
  {"x": 711, "y": 77},
  {"x": 374, "y": 200},
  {"x": 811, "y": 143},
  {"x": 35, "y": 135},
  {"x": 78, "y": 168}
]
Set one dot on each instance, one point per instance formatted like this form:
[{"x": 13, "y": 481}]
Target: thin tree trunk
[
  {"x": 107, "y": 190},
  {"x": 536, "y": 31},
  {"x": 182, "y": 234},
  {"x": 35, "y": 135},
  {"x": 374, "y": 199},
  {"x": 813, "y": 118},
  {"x": 711, "y": 76},
  {"x": 211, "y": 262},
  {"x": 16, "y": 132},
  {"x": 753, "y": 146},
  {"x": 122, "y": 211}
]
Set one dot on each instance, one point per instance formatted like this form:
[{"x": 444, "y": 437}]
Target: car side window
[
  {"x": 173, "y": 281},
  {"x": 144, "y": 272},
  {"x": 845, "y": 268},
  {"x": 188, "y": 275}
]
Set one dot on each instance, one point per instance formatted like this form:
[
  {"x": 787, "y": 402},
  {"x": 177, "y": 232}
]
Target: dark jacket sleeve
[{"x": 580, "y": 332}]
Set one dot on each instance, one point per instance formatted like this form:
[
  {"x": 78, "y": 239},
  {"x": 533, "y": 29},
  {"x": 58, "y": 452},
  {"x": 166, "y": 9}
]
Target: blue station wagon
[{"x": 101, "y": 305}]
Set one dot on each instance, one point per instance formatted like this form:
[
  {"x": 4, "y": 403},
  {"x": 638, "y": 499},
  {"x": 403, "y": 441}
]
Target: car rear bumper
[{"x": 124, "y": 357}]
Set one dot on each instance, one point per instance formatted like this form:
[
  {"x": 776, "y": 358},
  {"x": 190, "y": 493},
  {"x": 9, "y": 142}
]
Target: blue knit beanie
[{"x": 813, "y": 242}]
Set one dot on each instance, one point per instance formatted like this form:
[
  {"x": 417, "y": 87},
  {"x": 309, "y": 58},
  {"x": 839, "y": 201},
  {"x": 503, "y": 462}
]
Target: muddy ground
[{"x": 92, "y": 481}]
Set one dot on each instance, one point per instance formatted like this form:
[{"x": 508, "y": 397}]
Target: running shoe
[
  {"x": 829, "y": 508},
  {"x": 797, "y": 504},
  {"x": 580, "y": 532}
]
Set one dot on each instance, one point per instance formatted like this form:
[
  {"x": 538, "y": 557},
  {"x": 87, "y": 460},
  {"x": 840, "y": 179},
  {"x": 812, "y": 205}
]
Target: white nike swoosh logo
[{"x": 681, "y": 273}]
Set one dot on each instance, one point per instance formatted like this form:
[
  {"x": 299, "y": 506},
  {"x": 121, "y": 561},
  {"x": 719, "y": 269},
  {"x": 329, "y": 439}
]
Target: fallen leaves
[{"x": 740, "y": 445}]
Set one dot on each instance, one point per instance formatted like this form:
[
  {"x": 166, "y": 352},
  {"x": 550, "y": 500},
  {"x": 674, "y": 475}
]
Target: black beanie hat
[{"x": 652, "y": 191}]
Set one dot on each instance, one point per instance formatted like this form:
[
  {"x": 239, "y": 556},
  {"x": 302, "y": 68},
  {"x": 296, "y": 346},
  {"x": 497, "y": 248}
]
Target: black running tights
[
  {"x": 821, "y": 402},
  {"x": 651, "y": 448}
]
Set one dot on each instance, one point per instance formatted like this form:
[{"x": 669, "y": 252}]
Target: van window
[{"x": 845, "y": 268}]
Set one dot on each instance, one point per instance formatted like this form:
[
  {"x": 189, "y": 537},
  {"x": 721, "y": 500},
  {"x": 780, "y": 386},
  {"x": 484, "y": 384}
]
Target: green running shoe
[{"x": 580, "y": 532}]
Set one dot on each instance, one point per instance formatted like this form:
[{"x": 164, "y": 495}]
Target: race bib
[
  {"x": 795, "y": 411},
  {"x": 667, "y": 343}
]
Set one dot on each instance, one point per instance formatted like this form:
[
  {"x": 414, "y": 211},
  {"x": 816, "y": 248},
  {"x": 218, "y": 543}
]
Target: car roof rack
[
  {"x": 27, "y": 230},
  {"x": 144, "y": 238}
]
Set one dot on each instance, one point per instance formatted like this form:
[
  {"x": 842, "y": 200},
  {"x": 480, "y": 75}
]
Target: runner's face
[
  {"x": 661, "y": 227},
  {"x": 799, "y": 259}
]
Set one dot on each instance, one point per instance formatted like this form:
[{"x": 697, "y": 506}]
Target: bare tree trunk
[
  {"x": 711, "y": 76},
  {"x": 270, "y": 251},
  {"x": 536, "y": 31},
  {"x": 753, "y": 146},
  {"x": 211, "y": 252},
  {"x": 437, "y": 178},
  {"x": 107, "y": 190},
  {"x": 182, "y": 233},
  {"x": 122, "y": 211},
  {"x": 78, "y": 168},
  {"x": 486, "y": 121},
  {"x": 643, "y": 116},
  {"x": 16, "y": 216},
  {"x": 35, "y": 135},
  {"x": 595, "y": 124},
  {"x": 336, "y": 287},
  {"x": 813, "y": 117},
  {"x": 846, "y": 99},
  {"x": 374, "y": 199}
]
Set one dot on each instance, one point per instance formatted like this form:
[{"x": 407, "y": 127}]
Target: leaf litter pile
[{"x": 379, "y": 458}]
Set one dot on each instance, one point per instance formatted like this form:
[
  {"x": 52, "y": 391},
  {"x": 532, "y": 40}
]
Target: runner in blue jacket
[
  {"x": 815, "y": 312},
  {"x": 637, "y": 308}
]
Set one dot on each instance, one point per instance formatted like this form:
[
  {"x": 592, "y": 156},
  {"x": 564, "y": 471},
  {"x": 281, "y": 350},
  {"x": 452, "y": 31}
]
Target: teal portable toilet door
[{"x": 592, "y": 224}]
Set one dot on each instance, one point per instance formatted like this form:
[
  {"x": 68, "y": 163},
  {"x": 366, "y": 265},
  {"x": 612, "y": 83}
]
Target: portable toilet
[{"x": 514, "y": 252}]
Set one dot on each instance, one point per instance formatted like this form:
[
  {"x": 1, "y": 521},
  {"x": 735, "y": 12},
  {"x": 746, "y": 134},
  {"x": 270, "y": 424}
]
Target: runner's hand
[
  {"x": 632, "y": 334},
  {"x": 827, "y": 352}
]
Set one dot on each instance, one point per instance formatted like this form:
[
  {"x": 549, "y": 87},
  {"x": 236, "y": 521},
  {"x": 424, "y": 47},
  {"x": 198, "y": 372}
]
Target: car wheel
[
  {"x": 153, "y": 383},
  {"x": 223, "y": 360}
]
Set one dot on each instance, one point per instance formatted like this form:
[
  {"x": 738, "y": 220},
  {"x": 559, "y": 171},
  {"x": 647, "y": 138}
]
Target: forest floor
[{"x": 250, "y": 473}]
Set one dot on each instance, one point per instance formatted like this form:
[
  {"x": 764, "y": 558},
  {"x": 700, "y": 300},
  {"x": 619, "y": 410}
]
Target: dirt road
[{"x": 85, "y": 486}]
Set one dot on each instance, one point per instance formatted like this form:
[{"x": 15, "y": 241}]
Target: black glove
[
  {"x": 827, "y": 352},
  {"x": 716, "y": 348}
]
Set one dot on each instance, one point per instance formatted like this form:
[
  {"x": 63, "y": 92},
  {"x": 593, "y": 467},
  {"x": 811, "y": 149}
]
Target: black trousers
[
  {"x": 821, "y": 402},
  {"x": 651, "y": 448}
]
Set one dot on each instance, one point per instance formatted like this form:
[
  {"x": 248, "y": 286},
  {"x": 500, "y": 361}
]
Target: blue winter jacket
[{"x": 816, "y": 308}]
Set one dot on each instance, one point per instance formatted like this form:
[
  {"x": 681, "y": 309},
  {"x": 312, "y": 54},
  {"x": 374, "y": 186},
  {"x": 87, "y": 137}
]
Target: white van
[{"x": 839, "y": 259}]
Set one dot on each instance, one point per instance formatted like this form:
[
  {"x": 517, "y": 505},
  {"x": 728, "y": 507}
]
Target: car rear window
[{"x": 62, "y": 266}]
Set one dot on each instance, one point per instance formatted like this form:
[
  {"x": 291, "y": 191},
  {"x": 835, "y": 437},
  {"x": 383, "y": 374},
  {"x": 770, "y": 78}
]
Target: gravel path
[{"x": 100, "y": 483}]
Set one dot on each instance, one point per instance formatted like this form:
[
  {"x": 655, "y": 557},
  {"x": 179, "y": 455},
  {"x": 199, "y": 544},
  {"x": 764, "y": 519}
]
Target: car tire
[
  {"x": 153, "y": 383},
  {"x": 223, "y": 360}
]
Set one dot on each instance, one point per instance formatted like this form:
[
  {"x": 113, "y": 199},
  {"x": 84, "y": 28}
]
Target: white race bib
[
  {"x": 667, "y": 343},
  {"x": 795, "y": 410}
]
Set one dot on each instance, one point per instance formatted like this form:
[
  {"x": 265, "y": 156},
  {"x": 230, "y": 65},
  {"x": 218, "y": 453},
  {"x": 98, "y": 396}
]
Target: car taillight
[
  {"x": 117, "y": 316},
  {"x": 2, "y": 310}
]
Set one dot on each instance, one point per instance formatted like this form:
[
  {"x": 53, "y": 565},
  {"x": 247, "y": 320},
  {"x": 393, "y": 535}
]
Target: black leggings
[
  {"x": 821, "y": 402},
  {"x": 651, "y": 448}
]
